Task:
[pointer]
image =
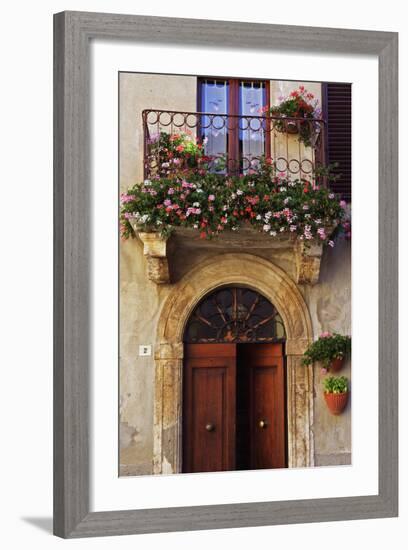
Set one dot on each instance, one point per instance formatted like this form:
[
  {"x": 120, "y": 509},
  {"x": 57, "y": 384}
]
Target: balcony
[
  {"x": 236, "y": 144},
  {"x": 178, "y": 143}
]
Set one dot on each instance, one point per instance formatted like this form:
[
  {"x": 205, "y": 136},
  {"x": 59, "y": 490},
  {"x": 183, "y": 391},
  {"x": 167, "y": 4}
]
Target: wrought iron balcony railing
[{"x": 231, "y": 144}]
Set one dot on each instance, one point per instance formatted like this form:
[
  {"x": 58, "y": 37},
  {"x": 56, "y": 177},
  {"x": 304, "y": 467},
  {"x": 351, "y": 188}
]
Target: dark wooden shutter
[{"x": 337, "y": 111}]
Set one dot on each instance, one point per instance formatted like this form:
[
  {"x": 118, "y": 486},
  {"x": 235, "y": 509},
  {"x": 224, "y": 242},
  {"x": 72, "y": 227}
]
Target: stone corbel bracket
[
  {"x": 307, "y": 259},
  {"x": 155, "y": 250}
]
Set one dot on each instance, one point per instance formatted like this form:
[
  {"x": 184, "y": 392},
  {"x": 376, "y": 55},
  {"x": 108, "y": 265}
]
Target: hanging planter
[
  {"x": 336, "y": 393},
  {"x": 330, "y": 350},
  {"x": 291, "y": 127},
  {"x": 302, "y": 106},
  {"x": 336, "y": 364}
]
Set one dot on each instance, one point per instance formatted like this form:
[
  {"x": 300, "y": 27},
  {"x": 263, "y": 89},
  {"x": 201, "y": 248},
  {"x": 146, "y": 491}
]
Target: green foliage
[
  {"x": 176, "y": 152},
  {"x": 335, "y": 384},
  {"x": 213, "y": 203},
  {"x": 299, "y": 104},
  {"x": 326, "y": 348}
]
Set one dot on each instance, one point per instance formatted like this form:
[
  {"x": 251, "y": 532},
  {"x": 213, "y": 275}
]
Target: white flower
[
  {"x": 282, "y": 189},
  {"x": 195, "y": 226},
  {"x": 307, "y": 216},
  {"x": 331, "y": 196},
  {"x": 196, "y": 204},
  {"x": 282, "y": 229},
  {"x": 286, "y": 200},
  {"x": 234, "y": 228},
  {"x": 239, "y": 192},
  {"x": 272, "y": 233},
  {"x": 147, "y": 182},
  {"x": 266, "y": 227},
  {"x": 318, "y": 222},
  {"x": 292, "y": 227},
  {"x": 268, "y": 215},
  {"x": 159, "y": 222},
  {"x": 331, "y": 243},
  {"x": 144, "y": 218},
  {"x": 225, "y": 207},
  {"x": 200, "y": 191},
  {"x": 233, "y": 196},
  {"x": 259, "y": 217}
]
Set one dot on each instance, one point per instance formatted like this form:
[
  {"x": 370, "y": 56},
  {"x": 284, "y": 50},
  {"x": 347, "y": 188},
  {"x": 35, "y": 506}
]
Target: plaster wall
[
  {"x": 286, "y": 145},
  {"x": 140, "y": 299}
]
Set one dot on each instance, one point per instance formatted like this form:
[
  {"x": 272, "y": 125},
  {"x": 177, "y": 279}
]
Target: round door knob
[
  {"x": 262, "y": 424},
  {"x": 210, "y": 427}
]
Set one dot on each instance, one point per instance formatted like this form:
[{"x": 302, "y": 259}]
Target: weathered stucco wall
[
  {"x": 286, "y": 145},
  {"x": 329, "y": 305},
  {"x": 141, "y": 300}
]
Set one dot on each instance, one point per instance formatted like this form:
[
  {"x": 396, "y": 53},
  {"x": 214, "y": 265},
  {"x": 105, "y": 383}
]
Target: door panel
[
  {"x": 263, "y": 366},
  {"x": 209, "y": 407}
]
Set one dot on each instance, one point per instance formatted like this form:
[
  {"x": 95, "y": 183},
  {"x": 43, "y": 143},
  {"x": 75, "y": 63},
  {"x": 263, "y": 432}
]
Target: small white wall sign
[{"x": 145, "y": 350}]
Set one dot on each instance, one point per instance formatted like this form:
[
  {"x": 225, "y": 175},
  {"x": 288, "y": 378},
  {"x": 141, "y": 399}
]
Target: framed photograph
[{"x": 225, "y": 327}]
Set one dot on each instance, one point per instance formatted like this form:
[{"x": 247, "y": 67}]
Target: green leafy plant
[
  {"x": 327, "y": 348},
  {"x": 299, "y": 104},
  {"x": 211, "y": 203},
  {"x": 176, "y": 152},
  {"x": 335, "y": 384}
]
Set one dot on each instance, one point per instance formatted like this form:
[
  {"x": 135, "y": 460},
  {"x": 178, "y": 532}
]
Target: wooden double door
[{"x": 234, "y": 411}]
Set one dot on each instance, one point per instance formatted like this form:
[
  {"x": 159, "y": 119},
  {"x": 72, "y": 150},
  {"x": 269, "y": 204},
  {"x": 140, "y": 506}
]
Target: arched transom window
[{"x": 234, "y": 314}]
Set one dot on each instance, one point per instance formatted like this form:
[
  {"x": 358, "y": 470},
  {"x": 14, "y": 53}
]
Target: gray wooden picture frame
[{"x": 72, "y": 34}]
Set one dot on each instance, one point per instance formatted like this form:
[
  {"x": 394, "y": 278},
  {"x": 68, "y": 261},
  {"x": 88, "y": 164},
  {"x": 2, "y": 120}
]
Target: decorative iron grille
[
  {"x": 240, "y": 149},
  {"x": 234, "y": 314}
]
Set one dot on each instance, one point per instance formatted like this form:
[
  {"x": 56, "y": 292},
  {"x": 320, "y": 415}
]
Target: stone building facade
[{"x": 155, "y": 315}]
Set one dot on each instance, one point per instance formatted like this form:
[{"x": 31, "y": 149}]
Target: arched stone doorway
[
  {"x": 234, "y": 396},
  {"x": 276, "y": 286}
]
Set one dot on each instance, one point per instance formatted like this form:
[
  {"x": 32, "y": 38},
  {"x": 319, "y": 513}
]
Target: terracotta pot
[
  {"x": 336, "y": 402},
  {"x": 336, "y": 364},
  {"x": 291, "y": 128}
]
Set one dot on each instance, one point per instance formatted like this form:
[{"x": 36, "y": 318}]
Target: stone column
[
  {"x": 300, "y": 413},
  {"x": 167, "y": 409}
]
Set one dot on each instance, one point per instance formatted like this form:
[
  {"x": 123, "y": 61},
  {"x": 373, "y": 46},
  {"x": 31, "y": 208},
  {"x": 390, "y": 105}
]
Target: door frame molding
[{"x": 276, "y": 285}]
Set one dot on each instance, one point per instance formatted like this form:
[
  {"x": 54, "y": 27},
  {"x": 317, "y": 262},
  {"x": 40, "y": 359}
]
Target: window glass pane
[
  {"x": 214, "y": 99},
  {"x": 234, "y": 314},
  {"x": 252, "y": 96}
]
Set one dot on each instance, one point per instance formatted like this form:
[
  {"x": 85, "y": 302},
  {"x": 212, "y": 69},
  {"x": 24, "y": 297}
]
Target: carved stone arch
[{"x": 276, "y": 285}]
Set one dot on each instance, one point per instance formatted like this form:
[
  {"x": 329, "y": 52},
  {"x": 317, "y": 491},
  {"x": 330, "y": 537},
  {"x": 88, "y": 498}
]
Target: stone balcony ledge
[{"x": 307, "y": 254}]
